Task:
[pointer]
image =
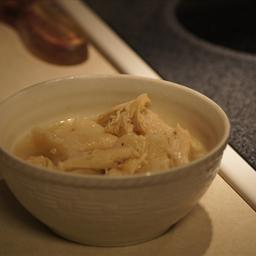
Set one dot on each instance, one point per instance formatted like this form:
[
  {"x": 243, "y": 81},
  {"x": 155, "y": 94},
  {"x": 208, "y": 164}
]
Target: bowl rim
[{"x": 91, "y": 180}]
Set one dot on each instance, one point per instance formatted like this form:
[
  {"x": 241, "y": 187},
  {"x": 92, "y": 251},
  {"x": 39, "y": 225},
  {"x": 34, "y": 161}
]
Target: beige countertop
[
  {"x": 222, "y": 224},
  {"x": 19, "y": 68}
]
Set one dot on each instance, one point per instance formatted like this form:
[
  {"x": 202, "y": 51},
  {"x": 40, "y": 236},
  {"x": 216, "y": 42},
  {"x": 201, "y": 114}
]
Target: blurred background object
[
  {"x": 46, "y": 30},
  {"x": 223, "y": 22}
]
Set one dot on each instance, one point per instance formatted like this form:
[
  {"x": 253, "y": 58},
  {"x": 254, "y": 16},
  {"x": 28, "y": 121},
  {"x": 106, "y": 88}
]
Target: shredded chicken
[
  {"x": 41, "y": 161},
  {"x": 125, "y": 140}
]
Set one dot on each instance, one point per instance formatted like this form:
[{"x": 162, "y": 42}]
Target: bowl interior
[{"x": 63, "y": 98}]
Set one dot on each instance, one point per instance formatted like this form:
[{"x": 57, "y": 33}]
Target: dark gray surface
[
  {"x": 224, "y": 22},
  {"x": 226, "y": 76}
]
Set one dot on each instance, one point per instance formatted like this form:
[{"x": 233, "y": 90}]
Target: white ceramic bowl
[{"x": 110, "y": 211}]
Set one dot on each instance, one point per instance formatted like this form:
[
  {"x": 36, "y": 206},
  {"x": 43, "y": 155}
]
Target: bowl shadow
[{"x": 22, "y": 234}]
